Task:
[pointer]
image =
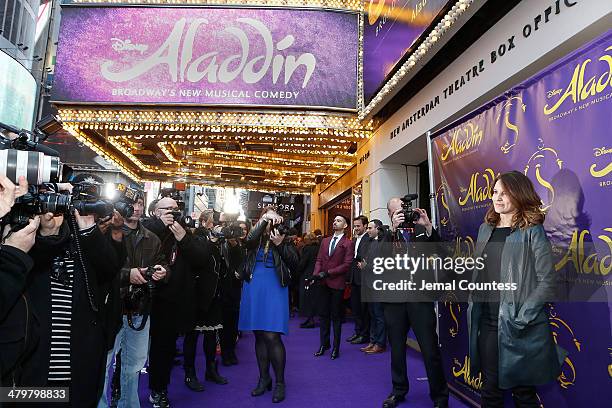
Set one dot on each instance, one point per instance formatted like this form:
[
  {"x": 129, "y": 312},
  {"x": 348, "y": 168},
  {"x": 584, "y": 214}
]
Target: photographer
[
  {"x": 137, "y": 280},
  {"x": 412, "y": 225},
  {"x": 264, "y": 306},
  {"x": 16, "y": 319},
  {"x": 231, "y": 290},
  {"x": 73, "y": 263},
  {"x": 173, "y": 310},
  {"x": 224, "y": 258}
]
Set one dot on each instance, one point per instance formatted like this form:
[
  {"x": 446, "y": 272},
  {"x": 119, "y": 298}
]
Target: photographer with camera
[
  {"x": 173, "y": 310},
  {"x": 412, "y": 225},
  {"x": 224, "y": 259},
  {"x": 73, "y": 265},
  {"x": 16, "y": 319},
  {"x": 231, "y": 289},
  {"x": 141, "y": 274},
  {"x": 264, "y": 306}
]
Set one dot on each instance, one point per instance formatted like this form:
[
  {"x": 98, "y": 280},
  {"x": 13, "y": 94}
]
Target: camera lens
[
  {"x": 54, "y": 203},
  {"x": 126, "y": 210},
  {"x": 36, "y": 167},
  {"x": 100, "y": 208}
]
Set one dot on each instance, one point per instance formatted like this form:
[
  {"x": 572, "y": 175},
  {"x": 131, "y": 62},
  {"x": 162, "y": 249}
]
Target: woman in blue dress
[{"x": 264, "y": 306}]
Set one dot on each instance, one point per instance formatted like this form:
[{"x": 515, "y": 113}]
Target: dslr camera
[
  {"x": 85, "y": 198},
  {"x": 184, "y": 220},
  {"x": 281, "y": 229},
  {"x": 136, "y": 295},
  {"x": 410, "y": 216},
  {"x": 231, "y": 231}
]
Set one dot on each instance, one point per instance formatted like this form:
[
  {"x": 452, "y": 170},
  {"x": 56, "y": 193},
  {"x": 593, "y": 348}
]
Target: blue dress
[{"x": 265, "y": 303}]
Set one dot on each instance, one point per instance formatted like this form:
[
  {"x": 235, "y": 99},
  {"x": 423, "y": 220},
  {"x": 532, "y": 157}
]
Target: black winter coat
[
  {"x": 88, "y": 334},
  {"x": 307, "y": 261},
  {"x": 185, "y": 260},
  {"x": 17, "y": 336}
]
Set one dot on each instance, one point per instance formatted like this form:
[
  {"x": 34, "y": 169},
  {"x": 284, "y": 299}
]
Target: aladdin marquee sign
[{"x": 207, "y": 56}]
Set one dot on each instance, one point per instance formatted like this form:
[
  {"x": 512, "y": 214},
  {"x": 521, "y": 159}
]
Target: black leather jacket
[{"x": 286, "y": 259}]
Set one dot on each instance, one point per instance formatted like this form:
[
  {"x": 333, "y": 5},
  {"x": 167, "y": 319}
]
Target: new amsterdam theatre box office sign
[{"x": 202, "y": 56}]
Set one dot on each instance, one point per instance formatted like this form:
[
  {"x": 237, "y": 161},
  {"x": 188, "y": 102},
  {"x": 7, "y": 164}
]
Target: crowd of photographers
[
  {"x": 85, "y": 281},
  {"x": 88, "y": 283}
]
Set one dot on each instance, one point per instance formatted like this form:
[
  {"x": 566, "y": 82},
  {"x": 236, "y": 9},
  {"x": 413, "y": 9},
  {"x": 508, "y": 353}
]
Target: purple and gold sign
[
  {"x": 390, "y": 28},
  {"x": 207, "y": 56},
  {"x": 554, "y": 128}
]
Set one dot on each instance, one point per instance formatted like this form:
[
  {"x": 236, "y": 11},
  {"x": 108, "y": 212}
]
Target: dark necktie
[{"x": 332, "y": 246}]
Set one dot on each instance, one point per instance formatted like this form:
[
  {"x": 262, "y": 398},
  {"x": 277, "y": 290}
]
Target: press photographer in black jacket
[
  {"x": 73, "y": 263},
  {"x": 407, "y": 313},
  {"x": 173, "y": 310}
]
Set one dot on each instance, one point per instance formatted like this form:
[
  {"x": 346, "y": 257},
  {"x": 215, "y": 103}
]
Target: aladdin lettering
[
  {"x": 458, "y": 145},
  {"x": 578, "y": 90},
  {"x": 588, "y": 260},
  {"x": 478, "y": 193},
  {"x": 182, "y": 65}
]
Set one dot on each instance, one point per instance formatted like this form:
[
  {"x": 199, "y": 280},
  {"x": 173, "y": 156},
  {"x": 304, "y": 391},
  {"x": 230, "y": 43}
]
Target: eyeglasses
[{"x": 169, "y": 208}]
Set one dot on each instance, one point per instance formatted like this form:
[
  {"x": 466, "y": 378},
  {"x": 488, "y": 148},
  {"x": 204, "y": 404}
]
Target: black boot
[
  {"x": 307, "y": 324},
  {"x": 212, "y": 374},
  {"x": 279, "y": 392},
  {"x": 262, "y": 386},
  {"x": 191, "y": 380},
  {"x": 321, "y": 351}
]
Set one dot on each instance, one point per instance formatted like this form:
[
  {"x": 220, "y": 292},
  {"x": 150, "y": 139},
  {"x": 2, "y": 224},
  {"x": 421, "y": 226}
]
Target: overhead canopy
[{"x": 258, "y": 151}]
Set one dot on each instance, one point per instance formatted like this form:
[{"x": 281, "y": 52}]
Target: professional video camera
[
  {"x": 135, "y": 297},
  {"x": 85, "y": 198},
  {"x": 124, "y": 203},
  {"x": 410, "y": 216},
  {"x": 25, "y": 156}
]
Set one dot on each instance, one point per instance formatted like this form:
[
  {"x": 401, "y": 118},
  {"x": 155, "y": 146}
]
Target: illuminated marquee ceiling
[{"x": 257, "y": 151}]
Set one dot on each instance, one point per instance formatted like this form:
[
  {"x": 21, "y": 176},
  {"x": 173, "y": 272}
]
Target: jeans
[
  {"x": 134, "y": 346},
  {"x": 378, "y": 333}
]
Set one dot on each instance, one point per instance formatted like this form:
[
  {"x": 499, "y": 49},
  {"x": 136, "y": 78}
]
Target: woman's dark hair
[{"x": 523, "y": 196}]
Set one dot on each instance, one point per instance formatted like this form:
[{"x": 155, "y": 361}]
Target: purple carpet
[{"x": 353, "y": 380}]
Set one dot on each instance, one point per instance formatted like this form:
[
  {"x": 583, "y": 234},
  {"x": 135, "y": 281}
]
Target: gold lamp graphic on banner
[
  {"x": 506, "y": 110},
  {"x": 568, "y": 374},
  {"x": 536, "y": 162}
]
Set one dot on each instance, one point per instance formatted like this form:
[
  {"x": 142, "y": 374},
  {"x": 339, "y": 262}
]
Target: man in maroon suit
[{"x": 331, "y": 268}]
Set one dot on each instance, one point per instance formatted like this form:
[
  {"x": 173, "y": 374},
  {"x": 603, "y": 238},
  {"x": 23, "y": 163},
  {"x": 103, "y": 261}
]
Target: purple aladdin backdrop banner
[
  {"x": 556, "y": 128},
  {"x": 390, "y": 29},
  {"x": 207, "y": 56}
]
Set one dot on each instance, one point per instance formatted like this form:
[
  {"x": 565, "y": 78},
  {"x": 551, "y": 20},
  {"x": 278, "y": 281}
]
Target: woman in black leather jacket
[{"x": 264, "y": 306}]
